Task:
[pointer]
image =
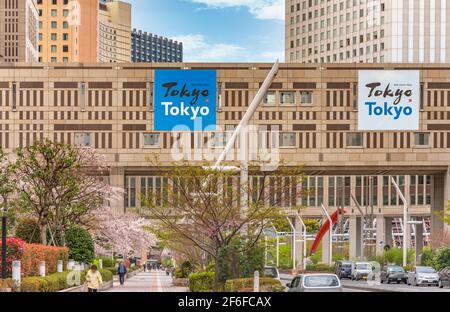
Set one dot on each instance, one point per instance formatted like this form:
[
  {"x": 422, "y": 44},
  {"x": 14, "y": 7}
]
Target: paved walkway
[{"x": 154, "y": 281}]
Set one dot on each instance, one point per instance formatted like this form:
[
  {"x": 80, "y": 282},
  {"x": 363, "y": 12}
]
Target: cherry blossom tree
[{"x": 126, "y": 233}]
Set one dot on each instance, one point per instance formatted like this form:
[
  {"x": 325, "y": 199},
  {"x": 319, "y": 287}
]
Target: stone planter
[{"x": 180, "y": 282}]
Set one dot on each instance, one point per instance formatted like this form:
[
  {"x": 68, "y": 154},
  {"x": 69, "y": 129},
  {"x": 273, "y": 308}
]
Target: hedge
[
  {"x": 246, "y": 285},
  {"x": 201, "y": 282},
  {"x": 56, "y": 282},
  {"x": 31, "y": 255},
  {"x": 319, "y": 268},
  {"x": 112, "y": 270}
]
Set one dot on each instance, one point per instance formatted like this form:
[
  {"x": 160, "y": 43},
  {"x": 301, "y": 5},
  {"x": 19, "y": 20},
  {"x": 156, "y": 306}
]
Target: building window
[
  {"x": 152, "y": 139},
  {"x": 270, "y": 98},
  {"x": 83, "y": 139},
  {"x": 306, "y": 98},
  {"x": 287, "y": 139},
  {"x": 54, "y": 25},
  {"x": 421, "y": 139},
  {"x": 218, "y": 139},
  {"x": 354, "y": 140},
  {"x": 288, "y": 98},
  {"x": 53, "y": 37}
]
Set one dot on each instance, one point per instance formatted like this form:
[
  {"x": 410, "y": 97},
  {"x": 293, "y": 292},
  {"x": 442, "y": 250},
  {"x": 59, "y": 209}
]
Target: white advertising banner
[{"x": 388, "y": 100}]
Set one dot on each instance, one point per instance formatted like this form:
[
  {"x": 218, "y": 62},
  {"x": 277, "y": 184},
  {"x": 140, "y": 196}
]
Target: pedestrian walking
[
  {"x": 122, "y": 270},
  {"x": 94, "y": 279}
]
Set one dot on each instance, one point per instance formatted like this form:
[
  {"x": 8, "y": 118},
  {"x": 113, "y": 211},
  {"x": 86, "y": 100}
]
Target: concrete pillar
[
  {"x": 355, "y": 237},
  {"x": 439, "y": 201},
  {"x": 381, "y": 234},
  {"x": 70, "y": 265},
  {"x": 16, "y": 276},
  {"x": 59, "y": 266},
  {"x": 388, "y": 231},
  {"x": 326, "y": 247},
  {"x": 419, "y": 243},
  {"x": 299, "y": 245},
  {"x": 117, "y": 179},
  {"x": 42, "y": 268}
]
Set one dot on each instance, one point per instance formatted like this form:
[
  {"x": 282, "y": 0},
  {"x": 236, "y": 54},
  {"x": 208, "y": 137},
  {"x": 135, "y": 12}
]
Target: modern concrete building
[
  {"x": 369, "y": 31},
  {"x": 68, "y": 31},
  {"x": 18, "y": 31},
  {"x": 312, "y": 108},
  {"x": 147, "y": 47},
  {"x": 114, "y": 32}
]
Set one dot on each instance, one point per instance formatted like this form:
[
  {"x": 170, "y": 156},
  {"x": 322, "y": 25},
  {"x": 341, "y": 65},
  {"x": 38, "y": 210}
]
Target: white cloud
[
  {"x": 261, "y": 9},
  {"x": 197, "y": 48}
]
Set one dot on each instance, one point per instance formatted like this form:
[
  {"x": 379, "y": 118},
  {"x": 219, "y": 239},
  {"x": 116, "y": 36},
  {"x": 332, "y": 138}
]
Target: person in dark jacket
[{"x": 122, "y": 271}]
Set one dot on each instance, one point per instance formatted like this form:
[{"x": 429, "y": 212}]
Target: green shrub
[
  {"x": 184, "y": 270},
  {"x": 427, "y": 257},
  {"x": 107, "y": 275},
  {"x": 80, "y": 243},
  {"x": 51, "y": 283},
  {"x": 108, "y": 262},
  {"x": 246, "y": 285},
  {"x": 319, "y": 268},
  {"x": 111, "y": 269},
  {"x": 442, "y": 258},
  {"x": 201, "y": 282}
]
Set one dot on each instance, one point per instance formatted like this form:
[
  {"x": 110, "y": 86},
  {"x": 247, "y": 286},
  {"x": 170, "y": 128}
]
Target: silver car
[
  {"x": 361, "y": 270},
  {"x": 315, "y": 283},
  {"x": 423, "y": 275}
]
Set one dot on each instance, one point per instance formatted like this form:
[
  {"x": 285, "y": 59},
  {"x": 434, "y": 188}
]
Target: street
[
  {"x": 154, "y": 281},
  {"x": 363, "y": 286}
]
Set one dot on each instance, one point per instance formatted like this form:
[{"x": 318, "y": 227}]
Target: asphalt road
[{"x": 363, "y": 286}]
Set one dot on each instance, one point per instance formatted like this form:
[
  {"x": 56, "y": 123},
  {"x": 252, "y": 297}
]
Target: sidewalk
[{"x": 154, "y": 281}]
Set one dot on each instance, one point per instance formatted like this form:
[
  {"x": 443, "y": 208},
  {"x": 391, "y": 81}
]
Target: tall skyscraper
[
  {"x": 368, "y": 31},
  {"x": 147, "y": 47},
  {"x": 18, "y": 31},
  {"x": 114, "y": 32},
  {"x": 68, "y": 30}
]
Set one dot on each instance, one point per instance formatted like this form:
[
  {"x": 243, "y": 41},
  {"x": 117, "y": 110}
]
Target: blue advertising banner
[{"x": 185, "y": 100}]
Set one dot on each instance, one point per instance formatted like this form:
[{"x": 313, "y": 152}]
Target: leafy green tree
[
  {"x": 441, "y": 258},
  {"x": 80, "y": 244},
  {"x": 58, "y": 185}
]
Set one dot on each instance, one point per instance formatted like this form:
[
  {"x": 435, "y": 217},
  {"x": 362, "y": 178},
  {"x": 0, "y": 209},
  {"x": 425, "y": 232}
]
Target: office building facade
[
  {"x": 114, "y": 31},
  {"x": 18, "y": 31},
  {"x": 369, "y": 31},
  {"x": 68, "y": 31},
  {"x": 311, "y": 110},
  {"x": 147, "y": 47}
]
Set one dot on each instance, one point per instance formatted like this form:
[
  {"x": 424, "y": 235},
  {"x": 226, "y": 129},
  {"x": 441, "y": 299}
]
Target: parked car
[
  {"x": 423, "y": 275},
  {"x": 272, "y": 272},
  {"x": 393, "y": 273},
  {"x": 343, "y": 269},
  {"x": 315, "y": 283},
  {"x": 444, "y": 277},
  {"x": 361, "y": 270}
]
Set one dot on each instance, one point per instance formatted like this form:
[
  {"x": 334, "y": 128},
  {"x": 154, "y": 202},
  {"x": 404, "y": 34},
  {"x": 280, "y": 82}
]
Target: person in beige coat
[{"x": 93, "y": 279}]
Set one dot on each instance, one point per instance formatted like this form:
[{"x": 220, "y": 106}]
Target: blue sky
[{"x": 217, "y": 30}]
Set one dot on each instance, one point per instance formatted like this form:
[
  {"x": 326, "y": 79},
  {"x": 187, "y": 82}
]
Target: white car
[
  {"x": 423, "y": 275},
  {"x": 315, "y": 283},
  {"x": 361, "y": 270},
  {"x": 272, "y": 272}
]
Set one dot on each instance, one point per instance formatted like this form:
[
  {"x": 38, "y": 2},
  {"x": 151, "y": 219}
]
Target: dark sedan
[
  {"x": 444, "y": 277},
  {"x": 393, "y": 274}
]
